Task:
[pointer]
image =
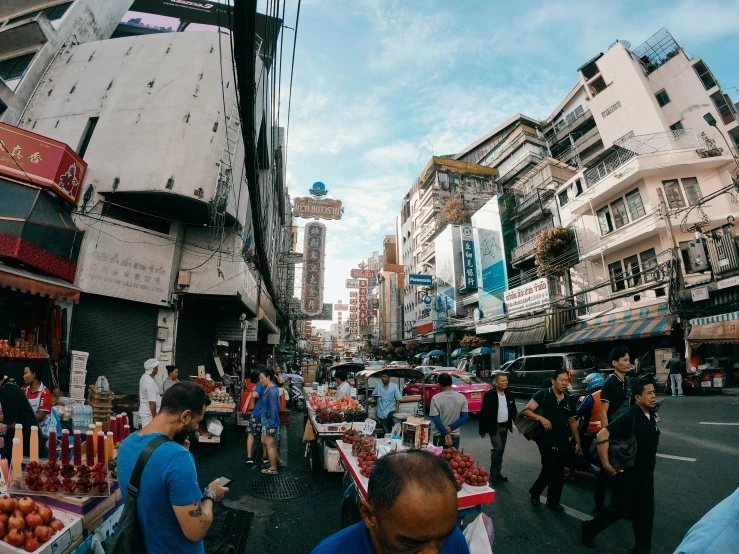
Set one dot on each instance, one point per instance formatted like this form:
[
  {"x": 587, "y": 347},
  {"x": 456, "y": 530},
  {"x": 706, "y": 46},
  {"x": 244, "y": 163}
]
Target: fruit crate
[
  {"x": 102, "y": 416},
  {"x": 99, "y": 399},
  {"x": 77, "y": 392}
]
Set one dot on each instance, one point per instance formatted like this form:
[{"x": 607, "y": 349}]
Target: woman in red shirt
[{"x": 40, "y": 399}]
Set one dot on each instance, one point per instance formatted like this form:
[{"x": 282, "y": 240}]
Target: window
[
  {"x": 578, "y": 188},
  {"x": 620, "y": 218},
  {"x": 704, "y": 74},
  {"x": 662, "y": 98},
  {"x": 136, "y": 217},
  {"x": 610, "y": 109},
  {"x": 563, "y": 198},
  {"x": 517, "y": 365},
  {"x": 604, "y": 221},
  {"x": 14, "y": 68},
  {"x": 692, "y": 190},
  {"x": 552, "y": 362},
  {"x": 89, "y": 130},
  {"x": 636, "y": 206},
  {"x": 454, "y": 180},
  {"x": 534, "y": 364},
  {"x": 674, "y": 194},
  {"x": 677, "y": 126},
  {"x": 615, "y": 270},
  {"x": 648, "y": 262},
  {"x": 633, "y": 272}
]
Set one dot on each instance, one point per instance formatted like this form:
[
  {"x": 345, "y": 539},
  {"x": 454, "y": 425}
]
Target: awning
[
  {"x": 460, "y": 352},
  {"x": 715, "y": 329},
  {"x": 482, "y": 350},
  {"x": 634, "y": 324},
  {"x": 437, "y": 353},
  {"x": 521, "y": 332},
  {"x": 26, "y": 281}
]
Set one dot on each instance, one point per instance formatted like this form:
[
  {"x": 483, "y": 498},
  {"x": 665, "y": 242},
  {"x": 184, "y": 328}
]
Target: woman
[
  {"x": 149, "y": 397},
  {"x": 270, "y": 419},
  {"x": 39, "y": 397},
  {"x": 172, "y": 377}
]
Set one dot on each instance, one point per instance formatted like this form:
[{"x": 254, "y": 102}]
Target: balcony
[
  {"x": 524, "y": 251},
  {"x": 428, "y": 252},
  {"x": 563, "y": 130},
  {"x": 528, "y": 159},
  {"x": 592, "y": 243},
  {"x": 532, "y": 204},
  {"x": 505, "y": 149},
  {"x": 25, "y": 34}
]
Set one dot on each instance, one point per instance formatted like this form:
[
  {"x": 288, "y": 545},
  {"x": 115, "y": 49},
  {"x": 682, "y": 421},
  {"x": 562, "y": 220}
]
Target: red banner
[{"x": 41, "y": 161}]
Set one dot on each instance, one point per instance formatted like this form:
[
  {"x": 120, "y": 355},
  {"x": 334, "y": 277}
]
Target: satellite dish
[{"x": 626, "y": 44}]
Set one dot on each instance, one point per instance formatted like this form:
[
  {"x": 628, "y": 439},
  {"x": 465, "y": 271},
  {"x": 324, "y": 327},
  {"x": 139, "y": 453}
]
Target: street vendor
[
  {"x": 342, "y": 387},
  {"x": 149, "y": 397},
  {"x": 39, "y": 397},
  {"x": 172, "y": 377},
  {"x": 387, "y": 395}
]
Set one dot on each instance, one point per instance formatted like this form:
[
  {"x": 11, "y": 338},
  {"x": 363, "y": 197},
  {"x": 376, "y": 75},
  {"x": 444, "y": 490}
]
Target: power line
[{"x": 290, "y": 92}]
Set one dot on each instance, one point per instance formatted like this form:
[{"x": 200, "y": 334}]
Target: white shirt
[
  {"x": 502, "y": 409},
  {"x": 148, "y": 392},
  {"x": 344, "y": 389}
]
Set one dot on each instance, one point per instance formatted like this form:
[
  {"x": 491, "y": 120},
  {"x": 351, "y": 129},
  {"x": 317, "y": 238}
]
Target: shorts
[
  {"x": 254, "y": 426},
  {"x": 265, "y": 426}
]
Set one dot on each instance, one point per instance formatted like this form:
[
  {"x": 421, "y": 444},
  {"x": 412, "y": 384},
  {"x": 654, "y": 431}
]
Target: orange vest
[{"x": 594, "y": 423}]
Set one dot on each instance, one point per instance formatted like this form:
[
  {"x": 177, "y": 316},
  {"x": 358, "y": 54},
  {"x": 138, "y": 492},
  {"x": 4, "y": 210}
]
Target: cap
[{"x": 149, "y": 365}]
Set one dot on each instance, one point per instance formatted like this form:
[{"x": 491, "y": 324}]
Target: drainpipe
[{"x": 600, "y": 245}]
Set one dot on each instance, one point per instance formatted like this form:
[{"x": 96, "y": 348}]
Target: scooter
[{"x": 297, "y": 400}]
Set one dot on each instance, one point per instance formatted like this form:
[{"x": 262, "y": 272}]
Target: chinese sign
[
  {"x": 294, "y": 311},
  {"x": 469, "y": 266},
  {"x": 340, "y": 328},
  {"x": 393, "y": 268},
  {"x": 324, "y": 208},
  {"x": 340, "y": 307},
  {"x": 352, "y": 283},
  {"x": 527, "y": 297},
  {"x": 47, "y": 163},
  {"x": 363, "y": 273},
  {"x": 313, "y": 262}
]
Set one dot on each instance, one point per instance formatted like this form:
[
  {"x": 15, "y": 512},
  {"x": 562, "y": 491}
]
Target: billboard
[
  {"x": 528, "y": 297},
  {"x": 314, "y": 251},
  {"x": 445, "y": 274},
  {"x": 421, "y": 280},
  {"x": 468, "y": 281},
  {"x": 324, "y": 208},
  {"x": 492, "y": 272}
]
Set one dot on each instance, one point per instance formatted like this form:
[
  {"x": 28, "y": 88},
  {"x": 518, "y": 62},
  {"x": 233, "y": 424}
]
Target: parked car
[
  {"x": 466, "y": 383},
  {"x": 528, "y": 374},
  {"x": 429, "y": 368}
]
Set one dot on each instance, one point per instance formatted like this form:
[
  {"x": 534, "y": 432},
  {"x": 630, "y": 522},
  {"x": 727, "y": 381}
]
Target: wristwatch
[{"x": 209, "y": 494}]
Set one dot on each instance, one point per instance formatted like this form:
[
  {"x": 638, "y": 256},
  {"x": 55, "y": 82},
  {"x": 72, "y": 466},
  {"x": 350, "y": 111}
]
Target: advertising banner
[
  {"x": 493, "y": 281},
  {"x": 313, "y": 266},
  {"x": 445, "y": 272},
  {"x": 469, "y": 265},
  {"x": 527, "y": 297},
  {"x": 420, "y": 280},
  {"x": 363, "y": 273}
]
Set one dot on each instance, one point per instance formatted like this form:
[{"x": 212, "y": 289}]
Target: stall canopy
[
  {"x": 715, "y": 329},
  {"x": 521, "y": 332},
  {"x": 424, "y": 354},
  {"x": 437, "y": 353},
  {"x": 635, "y": 324},
  {"x": 33, "y": 283},
  {"x": 460, "y": 352},
  {"x": 482, "y": 350}
]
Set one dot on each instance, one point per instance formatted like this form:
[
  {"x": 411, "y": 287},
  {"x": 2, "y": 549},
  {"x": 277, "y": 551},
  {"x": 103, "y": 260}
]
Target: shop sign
[
  {"x": 393, "y": 268},
  {"x": 273, "y": 338},
  {"x": 354, "y": 308},
  {"x": 295, "y": 312},
  {"x": 294, "y": 257},
  {"x": 401, "y": 280},
  {"x": 469, "y": 279},
  {"x": 313, "y": 267},
  {"x": 420, "y": 280},
  {"x": 425, "y": 328},
  {"x": 341, "y": 307},
  {"x": 45, "y": 162},
  {"x": 363, "y": 273},
  {"x": 323, "y": 208},
  {"x": 352, "y": 283},
  {"x": 353, "y": 295},
  {"x": 363, "y": 283},
  {"x": 699, "y": 293},
  {"x": 527, "y": 297},
  {"x": 726, "y": 283},
  {"x": 353, "y": 302}
]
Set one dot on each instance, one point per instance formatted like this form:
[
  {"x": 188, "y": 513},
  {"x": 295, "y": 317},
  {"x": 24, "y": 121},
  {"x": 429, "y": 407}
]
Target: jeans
[
  {"x": 552, "y": 473},
  {"x": 387, "y": 423},
  {"x": 629, "y": 494},
  {"x": 497, "y": 443},
  {"x": 676, "y": 384}
]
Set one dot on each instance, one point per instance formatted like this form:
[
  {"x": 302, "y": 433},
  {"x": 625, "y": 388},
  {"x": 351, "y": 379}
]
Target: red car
[{"x": 470, "y": 386}]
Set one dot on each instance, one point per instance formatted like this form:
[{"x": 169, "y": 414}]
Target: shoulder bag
[
  {"x": 527, "y": 427},
  {"x": 127, "y": 537},
  {"x": 621, "y": 452}
]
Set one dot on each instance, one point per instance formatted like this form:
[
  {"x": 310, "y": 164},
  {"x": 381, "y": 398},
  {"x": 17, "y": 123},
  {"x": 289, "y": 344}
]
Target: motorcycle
[{"x": 297, "y": 400}]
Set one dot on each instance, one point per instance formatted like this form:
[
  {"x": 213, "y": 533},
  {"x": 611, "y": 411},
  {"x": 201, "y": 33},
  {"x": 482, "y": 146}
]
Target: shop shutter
[
  {"x": 120, "y": 336},
  {"x": 195, "y": 339}
]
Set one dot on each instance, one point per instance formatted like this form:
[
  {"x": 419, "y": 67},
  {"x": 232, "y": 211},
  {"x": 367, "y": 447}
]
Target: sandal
[
  {"x": 280, "y": 463},
  {"x": 268, "y": 471}
]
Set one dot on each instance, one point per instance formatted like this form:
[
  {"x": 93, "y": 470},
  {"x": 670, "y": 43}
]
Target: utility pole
[{"x": 674, "y": 249}]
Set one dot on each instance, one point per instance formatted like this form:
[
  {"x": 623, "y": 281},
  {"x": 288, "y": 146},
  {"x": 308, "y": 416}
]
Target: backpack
[
  {"x": 127, "y": 537},
  {"x": 626, "y": 406}
]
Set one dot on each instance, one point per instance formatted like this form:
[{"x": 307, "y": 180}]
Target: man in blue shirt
[
  {"x": 717, "y": 531},
  {"x": 411, "y": 506},
  {"x": 173, "y": 514},
  {"x": 387, "y": 395}
]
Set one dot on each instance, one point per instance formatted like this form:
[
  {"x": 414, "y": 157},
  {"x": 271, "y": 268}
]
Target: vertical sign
[
  {"x": 469, "y": 265},
  {"x": 313, "y": 261},
  {"x": 362, "y": 303},
  {"x": 339, "y": 330}
]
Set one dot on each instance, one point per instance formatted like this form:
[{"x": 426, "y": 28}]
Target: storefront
[{"x": 714, "y": 342}]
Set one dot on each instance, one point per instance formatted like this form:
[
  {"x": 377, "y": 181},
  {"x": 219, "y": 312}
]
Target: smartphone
[{"x": 226, "y": 480}]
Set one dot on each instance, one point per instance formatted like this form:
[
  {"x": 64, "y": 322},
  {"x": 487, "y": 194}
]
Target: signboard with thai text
[
  {"x": 726, "y": 283},
  {"x": 352, "y": 283},
  {"x": 323, "y": 208},
  {"x": 340, "y": 307},
  {"x": 527, "y": 297},
  {"x": 393, "y": 268},
  {"x": 313, "y": 266},
  {"x": 699, "y": 293},
  {"x": 363, "y": 273},
  {"x": 294, "y": 311}
]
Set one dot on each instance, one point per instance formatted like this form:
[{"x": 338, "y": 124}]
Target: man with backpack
[{"x": 590, "y": 423}]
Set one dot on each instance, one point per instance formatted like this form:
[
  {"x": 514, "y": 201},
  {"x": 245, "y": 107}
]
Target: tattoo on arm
[{"x": 198, "y": 511}]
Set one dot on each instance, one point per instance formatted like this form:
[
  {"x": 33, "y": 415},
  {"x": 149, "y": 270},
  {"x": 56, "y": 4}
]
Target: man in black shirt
[
  {"x": 16, "y": 409},
  {"x": 675, "y": 367},
  {"x": 615, "y": 397},
  {"x": 633, "y": 488},
  {"x": 557, "y": 420},
  {"x": 496, "y": 418}
]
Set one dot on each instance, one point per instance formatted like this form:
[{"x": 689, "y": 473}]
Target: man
[
  {"x": 411, "y": 506},
  {"x": 558, "y": 414},
  {"x": 589, "y": 414},
  {"x": 717, "y": 531},
  {"x": 15, "y": 410},
  {"x": 343, "y": 388},
  {"x": 174, "y": 515},
  {"x": 149, "y": 397},
  {"x": 448, "y": 411},
  {"x": 633, "y": 488},
  {"x": 387, "y": 395},
  {"x": 675, "y": 367},
  {"x": 496, "y": 418}
]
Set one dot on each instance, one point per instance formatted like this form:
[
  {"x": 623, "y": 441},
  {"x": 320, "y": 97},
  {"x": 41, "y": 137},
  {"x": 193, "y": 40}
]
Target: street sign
[
  {"x": 363, "y": 273},
  {"x": 341, "y": 307},
  {"x": 323, "y": 208},
  {"x": 352, "y": 283},
  {"x": 313, "y": 268},
  {"x": 421, "y": 280}
]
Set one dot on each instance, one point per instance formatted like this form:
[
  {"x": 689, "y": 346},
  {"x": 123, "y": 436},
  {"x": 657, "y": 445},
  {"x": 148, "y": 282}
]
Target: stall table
[
  {"x": 220, "y": 412},
  {"x": 320, "y": 452}
]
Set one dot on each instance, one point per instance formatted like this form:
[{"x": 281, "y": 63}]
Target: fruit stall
[
  {"x": 369, "y": 378},
  {"x": 221, "y": 407}
]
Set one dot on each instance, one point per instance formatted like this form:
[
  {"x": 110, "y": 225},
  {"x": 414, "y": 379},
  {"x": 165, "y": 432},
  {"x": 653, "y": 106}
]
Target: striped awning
[
  {"x": 521, "y": 332},
  {"x": 714, "y": 319},
  {"x": 634, "y": 324},
  {"x": 721, "y": 328}
]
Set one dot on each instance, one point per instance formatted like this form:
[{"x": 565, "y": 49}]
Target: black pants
[
  {"x": 552, "y": 473},
  {"x": 629, "y": 493}
]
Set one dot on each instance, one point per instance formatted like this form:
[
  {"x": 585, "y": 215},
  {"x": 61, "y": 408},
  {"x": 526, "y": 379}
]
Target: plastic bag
[
  {"x": 479, "y": 535},
  {"x": 214, "y": 426}
]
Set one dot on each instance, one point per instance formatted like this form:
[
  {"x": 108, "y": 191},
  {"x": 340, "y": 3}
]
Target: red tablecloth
[{"x": 465, "y": 499}]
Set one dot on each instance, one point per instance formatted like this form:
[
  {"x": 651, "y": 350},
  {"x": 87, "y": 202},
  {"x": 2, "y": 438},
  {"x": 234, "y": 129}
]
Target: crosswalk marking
[{"x": 717, "y": 423}]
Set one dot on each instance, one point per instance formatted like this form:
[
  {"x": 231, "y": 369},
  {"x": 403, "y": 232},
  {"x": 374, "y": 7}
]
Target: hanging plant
[
  {"x": 413, "y": 345},
  {"x": 472, "y": 342},
  {"x": 552, "y": 251}
]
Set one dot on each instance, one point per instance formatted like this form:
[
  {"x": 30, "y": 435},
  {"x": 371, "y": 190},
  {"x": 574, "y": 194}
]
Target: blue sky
[{"x": 380, "y": 84}]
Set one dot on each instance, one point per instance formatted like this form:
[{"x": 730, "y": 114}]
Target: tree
[
  {"x": 413, "y": 345},
  {"x": 471, "y": 341},
  {"x": 455, "y": 213},
  {"x": 553, "y": 252},
  {"x": 401, "y": 352}
]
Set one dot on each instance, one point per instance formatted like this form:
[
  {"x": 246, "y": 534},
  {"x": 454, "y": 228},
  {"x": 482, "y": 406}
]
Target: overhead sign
[
  {"x": 364, "y": 273},
  {"x": 195, "y": 11},
  {"x": 295, "y": 312},
  {"x": 352, "y": 283},
  {"x": 313, "y": 261},
  {"x": 393, "y": 268},
  {"x": 421, "y": 280},
  {"x": 726, "y": 283},
  {"x": 41, "y": 161},
  {"x": 527, "y": 297},
  {"x": 340, "y": 307},
  {"x": 294, "y": 257},
  {"x": 469, "y": 265},
  {"x": 323, "y": 208}
]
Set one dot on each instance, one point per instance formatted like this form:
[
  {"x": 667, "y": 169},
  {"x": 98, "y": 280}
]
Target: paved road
[{"x": 696, "y": 469}]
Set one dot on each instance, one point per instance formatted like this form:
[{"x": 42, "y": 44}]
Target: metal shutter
[
  {"x": 120, "y": 336},
  {"x": 196, "y": 330}
]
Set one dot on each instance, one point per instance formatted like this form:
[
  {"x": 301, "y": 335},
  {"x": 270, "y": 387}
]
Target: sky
[{"x": 381, "y": 85}]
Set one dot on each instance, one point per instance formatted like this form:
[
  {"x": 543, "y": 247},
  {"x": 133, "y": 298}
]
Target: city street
[{"x": 696, "y": 468}]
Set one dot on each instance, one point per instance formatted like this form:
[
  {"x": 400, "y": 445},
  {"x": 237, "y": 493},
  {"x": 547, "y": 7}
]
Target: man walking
[
  {"x": 675, "y": 367},
  {"x": 558, "y": 413},
  {"x": 174, "y": 515},
  {"x": 387, "y": 395},
  {"x": 633, "y": 488},
  {"x": 496, "y": 418},
  {"x": 448, "y": 411}
]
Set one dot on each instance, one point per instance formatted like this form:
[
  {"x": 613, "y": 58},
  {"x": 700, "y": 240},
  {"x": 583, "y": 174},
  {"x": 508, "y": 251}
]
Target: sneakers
[
  {"x": 249, "y": 461},
  {"x": 585, "y": 536}
]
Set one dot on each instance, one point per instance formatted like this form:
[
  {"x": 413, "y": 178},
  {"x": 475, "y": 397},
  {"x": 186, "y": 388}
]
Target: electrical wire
[{"x": 290, "y": 90}]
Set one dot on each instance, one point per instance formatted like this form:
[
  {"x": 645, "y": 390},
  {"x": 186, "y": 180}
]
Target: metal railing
[
  {"x": 526, "y": 159},
  {"x": 506, "y": 148},
  {"x": 524, "y": 250},
  {"x": 532, "y": 202},
  {"x": 558, "y": 130}
]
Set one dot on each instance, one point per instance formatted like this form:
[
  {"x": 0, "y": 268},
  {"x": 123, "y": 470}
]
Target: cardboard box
[
  {"x": 416, "y": 433},
  {"x": 331, "y": 459}
]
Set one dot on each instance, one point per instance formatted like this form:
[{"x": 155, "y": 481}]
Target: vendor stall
[
  {"x": 221, "y": 408},
  {"x": 713, "y": 345}
]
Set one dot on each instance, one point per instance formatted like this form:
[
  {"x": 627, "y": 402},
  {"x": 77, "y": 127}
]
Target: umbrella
[
  {"x": 419, "y": 355},
  {"x": 460, "y": 352},
  {"x": 424, "y": 354},
  {"x": 437, "y": 353},
  {"x": 481, "y": 350}
]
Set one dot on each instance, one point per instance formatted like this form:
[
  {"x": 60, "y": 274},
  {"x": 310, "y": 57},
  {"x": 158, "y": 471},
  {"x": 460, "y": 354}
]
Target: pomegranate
[
  {"x": 45, "y": 512},
  {"x": 42, "y": 533},
  {"x": 18, "y": 513},
  {"x": 16, "y": 537},
  {"x": 3, "y": 528},
  {"x": 7, "y": 505},
  {"x": 28, "y": 533},
  {"x": 33, "y": 520},
  {"x": 31, "y": 545},
  {"x": 56, "y": 525},
  {"x": 26, "y": 505},
  {"x": 16, "y": 522},
  {"x": 4, "y": 518}
]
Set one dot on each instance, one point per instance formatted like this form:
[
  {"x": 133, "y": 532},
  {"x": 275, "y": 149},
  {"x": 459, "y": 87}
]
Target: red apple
[
  {"x": 16, "y": 522},
  {"x": 7, "y": 505},
  {"x": 56, "y": 525},
  {"x": 31, "y": 545},
  {"x": 33, "y": 520},
  {"x": 45, "y": 512},
  {"x": 16, "y": 537},
  {"x": 42, "y": 533},
  {"x": 26, "y": 505}
]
